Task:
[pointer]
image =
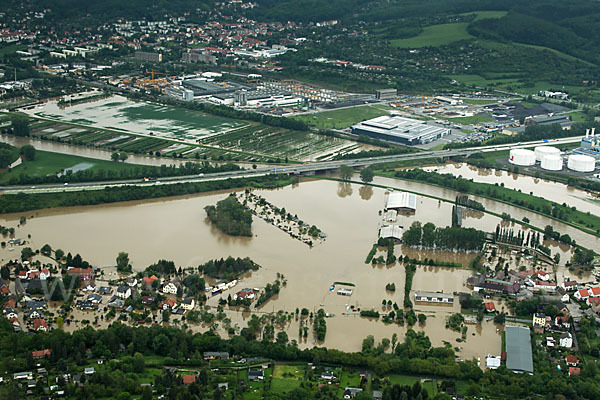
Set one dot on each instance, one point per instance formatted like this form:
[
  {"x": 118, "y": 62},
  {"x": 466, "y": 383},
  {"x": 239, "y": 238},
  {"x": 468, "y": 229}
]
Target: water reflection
[
  {"x": 344, "y": 189},
  {"x": 366, "y": 192}
]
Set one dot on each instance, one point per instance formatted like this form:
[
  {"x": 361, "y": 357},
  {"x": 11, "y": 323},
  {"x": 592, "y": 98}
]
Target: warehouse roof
[
  {"x": 391, "y": 231},
  {"x": 401, "y": 200},
  {"x": 401, "y": 127},
  {"x": 518, "y": 349}
]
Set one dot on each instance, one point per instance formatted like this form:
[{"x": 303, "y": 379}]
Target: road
[{"x": 305, "y": 168}]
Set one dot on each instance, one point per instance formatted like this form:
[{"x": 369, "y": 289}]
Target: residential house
[
  {"x": 350, "y": 393},
  {"x": 39, "y": 354},
  {"x": 168, "y": 304},
  {"x": 89, "y": 371},
  {"x": 170, "y": 288},
  {"x": 123, "y": 292},
  {"x": 10, "y": 313},
  {"x": 256, "y": 375},
  {"x": 188, "y": 303},
  {"x": 22, "y": 375},
  {"x": 545, "y": 286},
  {"x": 32, "y": 314},
  {"x": 223, "y": 386},
  {"x": 566, "y": 340},
  {"x": 132, "y": 281},
  {"x": 574, "y": 371},
  {"x": 327, "y": 376},
  {"x": 562, "y": 322},
  {"x": 489, "y": 306},
  {"x": 543, "y": 276},
  {"x": 570, "y": 286},
  {"x": 94, "y": 298},
  {"x": 104, "y": 290},
  {"x": 572, "y": 360},
  {"x": 492, "y": 362},
  {"x": 147, "y": 300},
  {"x": 149, "y": 280},
  {"x": 42, "y": 274},
  {"x": 10, "y": 303},
  {"x": 215, "y": 355},
  {"x": 539, "y": 323},
  {"x": 189, "y": 379},
  {"x": 40, "y": 325},
  {"x": 245, "y": 293},
  {"x": 85, "y": 274},
  {"x": 116, "y": 302}
]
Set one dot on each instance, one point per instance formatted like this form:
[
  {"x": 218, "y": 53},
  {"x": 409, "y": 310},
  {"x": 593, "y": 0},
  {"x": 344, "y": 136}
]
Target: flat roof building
[
  {"x": 401, "y": 201},
  {"x": 518, "y": 349},
  {"x": 432, "y": 297},
  {"x": 400, "y": 130}
]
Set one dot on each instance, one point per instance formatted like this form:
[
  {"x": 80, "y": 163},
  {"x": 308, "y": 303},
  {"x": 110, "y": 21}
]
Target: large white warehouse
[
  {"x": 541, "y": 151},
  {"x": 401, "y": 201},
  {"x": 581, "y": 163},
  {"x": 521, "y": 157},
  {"x": 551, "y": 162}
]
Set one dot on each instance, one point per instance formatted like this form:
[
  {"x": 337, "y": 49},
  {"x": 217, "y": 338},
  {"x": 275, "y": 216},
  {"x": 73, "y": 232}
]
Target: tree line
[{"x": 448, "y": 238}]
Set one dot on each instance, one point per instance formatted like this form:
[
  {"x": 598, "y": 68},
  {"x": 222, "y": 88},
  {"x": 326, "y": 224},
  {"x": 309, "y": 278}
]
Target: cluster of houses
[{"x": 32, "y": 316}]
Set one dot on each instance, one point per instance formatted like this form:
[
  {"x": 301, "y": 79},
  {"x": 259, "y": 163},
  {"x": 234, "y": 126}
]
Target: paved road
[{"x": 287, "y": 169}]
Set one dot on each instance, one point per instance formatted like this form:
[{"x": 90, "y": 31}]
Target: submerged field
[{"x": 119, "y": 124}]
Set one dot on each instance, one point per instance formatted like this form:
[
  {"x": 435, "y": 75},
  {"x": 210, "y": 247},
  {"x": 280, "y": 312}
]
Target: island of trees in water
[
  {"x": 231, "y": 217},
  {"x": 229, "y": 268}
]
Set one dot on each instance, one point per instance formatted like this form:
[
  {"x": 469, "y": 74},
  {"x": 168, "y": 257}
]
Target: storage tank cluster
[
  {"x": 581, "y": 163},
  {"x": 549, "y": 158},
  {"x": 522, "y": 157}
]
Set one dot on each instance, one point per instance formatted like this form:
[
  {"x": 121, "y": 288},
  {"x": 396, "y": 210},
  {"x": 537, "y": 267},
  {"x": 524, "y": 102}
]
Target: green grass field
[
  {"x": 403, "y": 380},
  {"x": 339, "y": 119},
  {"x": 47, "y": 163},
  {"x": 478, "y": 102},
  {"x": 487, "y": 14},
  {"x": 435, "y": 35}
]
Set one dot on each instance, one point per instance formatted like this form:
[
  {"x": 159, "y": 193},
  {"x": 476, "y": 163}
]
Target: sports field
[{"x": 343, "y": 118}]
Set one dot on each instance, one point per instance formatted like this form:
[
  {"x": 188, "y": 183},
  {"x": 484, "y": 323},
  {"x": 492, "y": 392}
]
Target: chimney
[
  {"x": 593, "y": 131},
  {"x": 587, "y": 133}
]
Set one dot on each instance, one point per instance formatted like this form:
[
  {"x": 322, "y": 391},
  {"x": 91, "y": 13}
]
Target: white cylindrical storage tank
[
  {"x": 541, "y": 151},
  {"x": 581, "y": 163},
  {"x": 522, "y": 157},
  {"x": 551, "y": 162}
]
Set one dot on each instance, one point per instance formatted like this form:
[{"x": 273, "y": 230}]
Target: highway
[{"x": 286, "y": 169}]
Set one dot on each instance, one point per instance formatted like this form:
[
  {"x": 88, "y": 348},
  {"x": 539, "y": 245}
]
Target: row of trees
[
  {"x": 448, "y": 238},
  {"x": 33, "y": 201}
]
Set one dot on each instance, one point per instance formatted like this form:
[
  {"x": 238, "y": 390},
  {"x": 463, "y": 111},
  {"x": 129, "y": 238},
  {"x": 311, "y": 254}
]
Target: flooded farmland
[{"x": 176, "y": 229}]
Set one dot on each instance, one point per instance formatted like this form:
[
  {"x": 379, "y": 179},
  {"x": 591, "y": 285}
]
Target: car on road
[{"x": 66, "y": 183}]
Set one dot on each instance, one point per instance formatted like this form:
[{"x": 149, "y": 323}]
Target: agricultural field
[
  {"x": 343, "y": 118},
  {"x": 435, "y": 35},
  {"x": 475, "y": 119},
  {"x": 112, "y": 140},
  {"x": 47, "y": 163},
  {"x": 143, "y": 118},
  {"x": 278, "y": 142}
]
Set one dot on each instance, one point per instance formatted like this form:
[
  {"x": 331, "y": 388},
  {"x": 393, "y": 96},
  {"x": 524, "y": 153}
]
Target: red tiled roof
[
  {"x": 574, "y": 371},
  {"x": 41, "y": 353},
  {"x": 571, "y": 359},
  {"x": 489, "y": 306},
  {"x": 595, "y": 291},
  {"x": 38, "y": 323}
]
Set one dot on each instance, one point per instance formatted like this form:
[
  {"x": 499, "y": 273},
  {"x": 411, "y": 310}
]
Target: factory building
[
  {"x": 518, "y": 349},
  {"x": 400, "y": 130},
  {"x": 147, "y": 56},
  {"x": 401, "y": 201},
  {"x": 386, "y": 94}
]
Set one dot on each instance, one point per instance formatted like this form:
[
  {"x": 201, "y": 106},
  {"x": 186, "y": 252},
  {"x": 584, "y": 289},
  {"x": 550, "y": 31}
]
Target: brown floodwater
[
  {"x": 582, "y": 238},
  {"x": 177, "y": 229},
  {"x": 543, "y": 188}
]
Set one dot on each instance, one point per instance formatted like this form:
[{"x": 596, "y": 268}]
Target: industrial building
[
  {"x": 400, "y": 130},
  {"x": 431, "y": 297},
  {"x": 147, "y": 56},
  {"x": 518, "y": 349},
  {"x": 386, "y": 94},
  {"x": 401, "y": 201},
  {"x": 391, "y": 232}
]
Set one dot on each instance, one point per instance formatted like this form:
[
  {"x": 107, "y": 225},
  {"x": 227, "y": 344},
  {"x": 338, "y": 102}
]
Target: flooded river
[
  {"x": 177, "y": 229},
  {"x": 546, "y": 189}
]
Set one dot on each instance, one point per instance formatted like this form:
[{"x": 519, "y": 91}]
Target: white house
[
  {"x": 492, "y": 362},
  {"x": 123, "y": 292},
  {"x": 169, "y": 288},
  {"x": 188, "y": 304},
  {"x": 566, "y": 340}
]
